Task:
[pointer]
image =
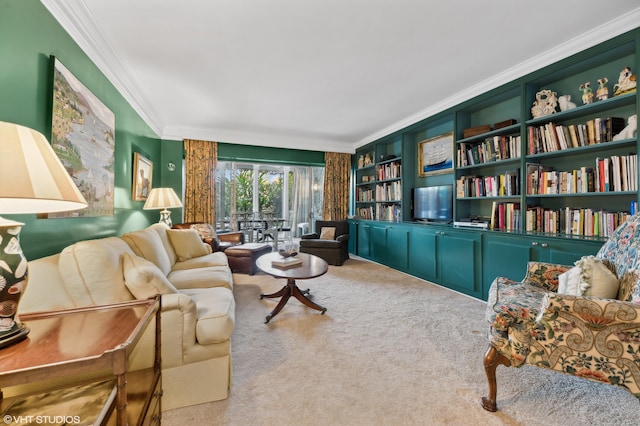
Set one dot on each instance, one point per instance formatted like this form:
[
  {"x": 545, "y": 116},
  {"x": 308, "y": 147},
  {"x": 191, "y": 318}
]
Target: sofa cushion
[
  {"x": 212, "y": 259},
  {"x": 147, "y": 243},
  {"x": 328, "y": 233},
  {"x": 143, "y": 278},
  {"x": 212, "y": 276},
  {"x": 590, "y": 277},
  {"x": 205, "y": 230},
  {"x": 187, "y": 244},
  {"x": 215, "y": 308},
  {"x": 92, "y": 271}
]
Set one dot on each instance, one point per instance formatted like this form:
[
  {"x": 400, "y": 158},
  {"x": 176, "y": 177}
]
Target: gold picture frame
[
  {"x": 142, "y": 177},
  {"x": 435, "y": 155}
]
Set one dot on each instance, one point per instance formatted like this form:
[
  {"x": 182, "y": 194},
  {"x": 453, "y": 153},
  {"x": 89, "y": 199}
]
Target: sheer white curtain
[{"x": 301, "y": 196}]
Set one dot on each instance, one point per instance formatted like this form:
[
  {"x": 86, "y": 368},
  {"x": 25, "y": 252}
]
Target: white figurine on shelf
[
  {"x": 587, "y": 93},
  {"x": 565, "y": 102},
  {"x": 603, "y": 91},
  {"x": 626, "y": 82},
  {"x": 628, "y": 132},
  {"x": 545, "y": 103}
]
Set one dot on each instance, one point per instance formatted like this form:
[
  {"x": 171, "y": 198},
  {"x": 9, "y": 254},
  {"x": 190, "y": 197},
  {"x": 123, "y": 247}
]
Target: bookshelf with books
[
  {"x": 581, "y": 173},
  {"x": 488, "y": 151},
  {"x": 551, "y": 185},
  {"x": 378, "y": 188}
]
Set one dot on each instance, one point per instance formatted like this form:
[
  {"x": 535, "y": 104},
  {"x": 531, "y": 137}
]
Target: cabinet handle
[
  {"x": 544, "y": 245},
  {"x": 535, "y": 243}
]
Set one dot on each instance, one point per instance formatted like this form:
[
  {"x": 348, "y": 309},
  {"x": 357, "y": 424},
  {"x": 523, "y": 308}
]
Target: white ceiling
[{"x": 328, "y": 75}]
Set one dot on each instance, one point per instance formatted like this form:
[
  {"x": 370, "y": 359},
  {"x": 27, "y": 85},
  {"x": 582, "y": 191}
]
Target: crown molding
[
  {"x": 273, "y": 140},
  {"x": 76, "y": 19},
  {"x": 602, "y": 33}
]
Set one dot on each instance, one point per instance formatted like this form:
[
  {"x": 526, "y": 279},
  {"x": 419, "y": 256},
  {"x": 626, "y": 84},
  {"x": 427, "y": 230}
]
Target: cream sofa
[{"x": 198, "y": 307}]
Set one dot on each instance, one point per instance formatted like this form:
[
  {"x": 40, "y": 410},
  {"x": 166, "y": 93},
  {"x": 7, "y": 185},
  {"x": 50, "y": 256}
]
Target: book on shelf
[
  {"x": 556, "y": 137},
  {"x": 286, "y": 262}
]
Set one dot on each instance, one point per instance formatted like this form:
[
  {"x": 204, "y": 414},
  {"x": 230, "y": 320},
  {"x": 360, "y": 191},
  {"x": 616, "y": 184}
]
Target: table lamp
[
  {"x": 163, "y": 198},
  {"x": 33, "y": 180}
]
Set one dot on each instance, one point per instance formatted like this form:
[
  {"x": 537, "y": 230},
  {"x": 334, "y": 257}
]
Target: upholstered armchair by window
[
  {"x": 218, "y": 242},
  {"x": 582, "y": 320},
  {"x": 330, "y": 241}
]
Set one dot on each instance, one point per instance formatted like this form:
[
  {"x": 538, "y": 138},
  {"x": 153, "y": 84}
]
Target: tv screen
[{"x": 433, "y": 203}]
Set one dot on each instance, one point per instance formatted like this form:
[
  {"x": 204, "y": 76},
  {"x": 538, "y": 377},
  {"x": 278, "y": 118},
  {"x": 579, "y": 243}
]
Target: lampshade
[
  {"x": 32, "y": 180},
  {"x": 163, "y": 198}
]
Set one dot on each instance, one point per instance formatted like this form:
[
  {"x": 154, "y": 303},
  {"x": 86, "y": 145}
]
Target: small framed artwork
[
  {"x": 435, "y": 155},
  {"x": 142, "y": 175}
]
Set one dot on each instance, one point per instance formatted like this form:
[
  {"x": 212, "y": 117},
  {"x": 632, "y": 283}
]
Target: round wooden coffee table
[{"x": 311, "y": 267}]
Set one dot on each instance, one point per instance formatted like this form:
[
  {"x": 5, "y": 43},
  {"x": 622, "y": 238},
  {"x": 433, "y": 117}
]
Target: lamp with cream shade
[
  {"x": 33, "y": 181},
  {"x": 163, "y": 199}
]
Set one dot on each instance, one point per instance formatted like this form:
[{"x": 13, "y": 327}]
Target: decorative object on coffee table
[
  {"x": 163, "y": 199},
  {"x": 33, "y": 181}
]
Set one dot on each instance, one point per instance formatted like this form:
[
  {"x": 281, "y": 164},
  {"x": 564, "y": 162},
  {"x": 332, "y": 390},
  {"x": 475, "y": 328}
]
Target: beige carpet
[{"x": 391, "y": 350}]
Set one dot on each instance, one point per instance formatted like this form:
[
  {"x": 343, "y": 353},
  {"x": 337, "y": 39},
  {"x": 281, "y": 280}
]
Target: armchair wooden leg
[{"x": 491, "y": 361}]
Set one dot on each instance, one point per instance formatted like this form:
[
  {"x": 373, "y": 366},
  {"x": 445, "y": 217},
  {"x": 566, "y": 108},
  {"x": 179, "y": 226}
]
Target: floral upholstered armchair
[{"x": 589, "y": 328}]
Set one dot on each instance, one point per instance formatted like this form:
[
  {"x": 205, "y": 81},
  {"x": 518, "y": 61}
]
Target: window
[{"x": 293, "y": 193}]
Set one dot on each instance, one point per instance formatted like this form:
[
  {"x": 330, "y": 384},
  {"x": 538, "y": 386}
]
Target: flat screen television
[{"x": 433, "y": 203}]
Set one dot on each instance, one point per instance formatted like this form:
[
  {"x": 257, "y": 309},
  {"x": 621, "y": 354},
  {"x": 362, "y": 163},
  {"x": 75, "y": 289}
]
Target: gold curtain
[
  {"x": 337, "y": 171},
  {"x": 201, "y": 160}
]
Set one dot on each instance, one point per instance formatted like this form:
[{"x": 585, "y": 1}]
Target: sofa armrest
[
  {"x": 343, "y": 238},
  {"x": 544, "y": 275},
  {"x": 607, "y": 329},
  {"x": 179, "y": 320},
  {"x": 313, "y": 236}
]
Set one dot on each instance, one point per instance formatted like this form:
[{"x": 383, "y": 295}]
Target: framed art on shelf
[
  {"x": 435, "y": 155},
  {"x": 142, "y": 175}
]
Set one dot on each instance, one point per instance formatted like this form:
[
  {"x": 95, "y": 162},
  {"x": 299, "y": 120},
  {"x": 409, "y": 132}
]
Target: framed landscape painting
[
  {"x": 83, "y": 137},
  {"x": 142, "y": 175},
  {"x": 435, "y": 155}
]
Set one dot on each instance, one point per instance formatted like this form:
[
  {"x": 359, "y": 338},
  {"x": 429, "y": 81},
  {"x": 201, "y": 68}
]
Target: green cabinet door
[
  {"x": 504, "y": 256},
  {"x": 566, "y": 252},
  {"x": 364, "y": 238},
  {"x": 378, "y": 243},
  {"x": 460, "y": 261},
  {"x": 397, "y": 250},
  {"x": 353, "y": 236},
  {"x": 422, "y": 253}
]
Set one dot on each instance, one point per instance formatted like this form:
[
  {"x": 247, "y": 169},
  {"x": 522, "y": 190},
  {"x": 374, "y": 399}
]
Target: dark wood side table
[
  {"x": 311, "y": 267},
  {"x": 79, "y": 341}
]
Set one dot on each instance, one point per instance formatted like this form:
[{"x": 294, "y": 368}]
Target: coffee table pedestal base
[{"x": 291, "y": 289}]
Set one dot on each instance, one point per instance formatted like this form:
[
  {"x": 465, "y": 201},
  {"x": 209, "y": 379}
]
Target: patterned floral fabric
[
  {"x": 598, "y": 339},
  {"x": 336, "y": 185}
]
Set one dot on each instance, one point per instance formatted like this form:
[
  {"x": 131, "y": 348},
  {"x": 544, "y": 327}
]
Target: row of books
[
  {"x": 615, "y": 173},
  {"x": 491, "y": 149},
  {"x": 555, "y": 137},
  {"x": 506, "y": 184},
  {"x": 388, "y": 171},
  {"x": 571, "y": 221},
  {"x": 365, "y": 212},
  {"x": 391, "y": 213},
  {"x": 505, "y": 216},
  {"x": 364, "y": 194},
  {"x": 389, "y": 191}
]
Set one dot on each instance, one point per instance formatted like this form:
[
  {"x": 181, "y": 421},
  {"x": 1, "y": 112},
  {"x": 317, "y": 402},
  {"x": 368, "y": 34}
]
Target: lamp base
[
  {"x": 165, "y": 217},
  {"x": 18, "y": 333}
]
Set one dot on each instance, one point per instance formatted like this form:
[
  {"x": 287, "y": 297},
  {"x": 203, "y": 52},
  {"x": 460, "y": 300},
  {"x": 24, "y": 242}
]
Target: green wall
[
  {"x": 29, "y": 36},
  {"x": 251, "y": 153}
]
